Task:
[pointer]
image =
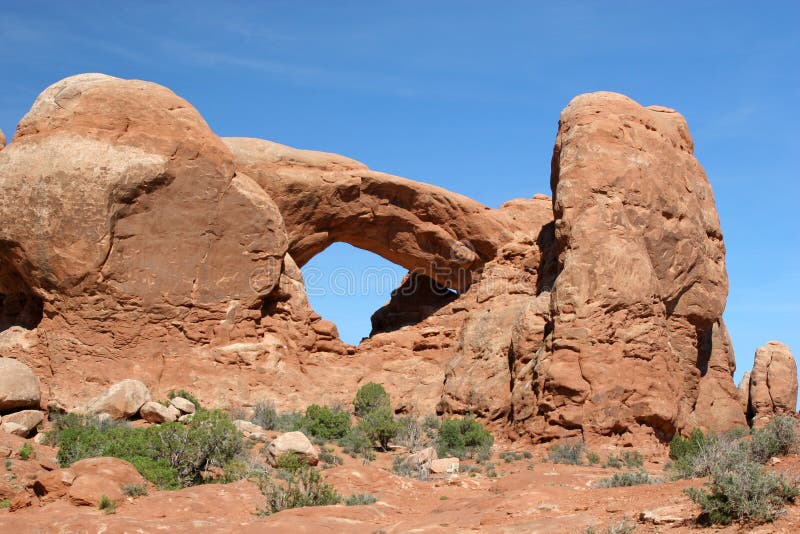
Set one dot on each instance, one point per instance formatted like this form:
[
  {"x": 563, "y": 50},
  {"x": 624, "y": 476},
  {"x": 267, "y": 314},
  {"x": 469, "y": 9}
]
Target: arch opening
[{"x": 365, "y": 294}]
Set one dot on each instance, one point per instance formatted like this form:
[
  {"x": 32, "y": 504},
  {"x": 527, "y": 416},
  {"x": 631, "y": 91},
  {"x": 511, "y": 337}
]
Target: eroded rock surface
[
  {"x": 773, "y": 383},
  {"x": 636, "y": 335},
  {"x": 18, "y": 386}
]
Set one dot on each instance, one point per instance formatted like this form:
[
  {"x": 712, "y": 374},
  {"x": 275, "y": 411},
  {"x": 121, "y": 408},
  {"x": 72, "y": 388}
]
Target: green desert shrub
[
  {"x": 404, "y": 467},
  {"x": 632, "y": 459},
  {"x": 510, "y": 456},
  {"x": 379, "y": 426},
  {"x": 631, "y": 478},
  {"x": 463, "y": 437},
  {"x": 134, "y": 490},
  {"x": 26, "y": 452},
  {"x": 360, "y": 499},
  {"x": 370, "y": 397},
  {"x": 613, "y": 462},
  {"x": 357, "y": 444},
  {"x": 592, "y": 457},
  {"x": 778, "y": 438},
  {"x": 569, "y": 452},
  {"x": 265, "y": 415},
  {"x": 303, "y": 487},
  {"x": 743, "y": 491},
  {"x": 289, "y": 421},
  {"x": 324, "y": 423},
  {"x": 5, "y": 503},
  {"x": 108, "y": 505},
  {"x": 170, "y": 455},
  {"x": 289, "y": 462}
]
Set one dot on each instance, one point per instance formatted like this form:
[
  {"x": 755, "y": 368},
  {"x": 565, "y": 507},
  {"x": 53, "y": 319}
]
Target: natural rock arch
[{"x": 326, "y": 198}]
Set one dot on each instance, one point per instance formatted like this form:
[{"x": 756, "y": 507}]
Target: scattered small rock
[
  {"x": 250, "y": 430},
  {"x": 18, "y": 386},
  {"x": 292, "y": 442},
  {"x": 121, "y": 401},
  {"x": 154, "y": 412},
  {"x": 423, "y": 458},
  {"x": 184, "y": 405},
  {"x": 663, "y": 515},
  {"x": 445, "y": 465},
  {"x": 22, "y": 423}
]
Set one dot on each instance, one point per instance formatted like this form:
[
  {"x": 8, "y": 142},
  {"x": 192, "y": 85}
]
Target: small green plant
[
  {"x": 631, "y": 478},
  {"x": 289, "y": 422},
  {"x": 680, "y": 448},
  {"x": 265, "y": 415},
  {"x": 443, "y": 498},
  {"x": 569, "y": 452},
  {"x": 26, "y": 452},
  {"x": 5, "y": 503},
  {"x": 322, "y": 422},
  {"x": 379, "y": 426},
  {"x": 745, "y": 491},
  {"x": 632, "y": 459},
  {"x": 510, "y": 456},
  {"x": 107, "y": 505},
  {"x": 357, "y": 444},
  {"x": 303, "y": 487},
  {"x": 613, "y": 462},
  {"x": 9, "y": 464},
  {"x": 406, "y": 468},
  {"x": 778, "y": 438},
  {"x": 621, "y": 527},
  {"x": 329, "y": 459},
  {"x": 360, "y": 499},
  {"x": 490, "y": 471},
  {"x": 134, "y": 490},
  {"x": 290, "y": 462},
  {"x": 470, "y": 470},
  {"x": 592, "y": 457},
  {"x": 463, "y": 437}
]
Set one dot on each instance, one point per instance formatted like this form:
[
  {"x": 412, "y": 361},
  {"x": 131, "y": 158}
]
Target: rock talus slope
[{"x": 136, "y": 244}]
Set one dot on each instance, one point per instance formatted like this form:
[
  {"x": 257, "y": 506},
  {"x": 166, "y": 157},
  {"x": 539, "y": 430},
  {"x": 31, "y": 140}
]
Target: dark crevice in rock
[{"x": 19, "y": 305}]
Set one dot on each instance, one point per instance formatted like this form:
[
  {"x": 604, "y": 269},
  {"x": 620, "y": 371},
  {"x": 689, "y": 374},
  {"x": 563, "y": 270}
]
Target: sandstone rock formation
[
  {"x": 635, "y": 335},
  {"x": 135, "y": 242},
  {"x": 154, "y": 412},
  {"x": 184, "y": 405},
  {"x": 96, "y": 477},
  {"x": 18, "y": 386},
  {"x": 22, "y": 423},
  {"x": 773, "y": 383},
  {"x": 744, "y": 391},
  {"x": 292, "y": 443},
  {"x": 121, "y": 401}
]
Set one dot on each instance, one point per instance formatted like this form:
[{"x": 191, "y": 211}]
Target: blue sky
[{"x": 466, "y": 95}]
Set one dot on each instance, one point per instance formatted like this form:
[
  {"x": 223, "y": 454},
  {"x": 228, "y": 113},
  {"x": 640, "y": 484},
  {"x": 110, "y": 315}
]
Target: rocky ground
[{"x": 527, "y": 495}]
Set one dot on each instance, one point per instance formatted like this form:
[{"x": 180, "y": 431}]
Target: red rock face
[
  {"x": 636, "y": 332},
  {"x": 135, "y": 244}
]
